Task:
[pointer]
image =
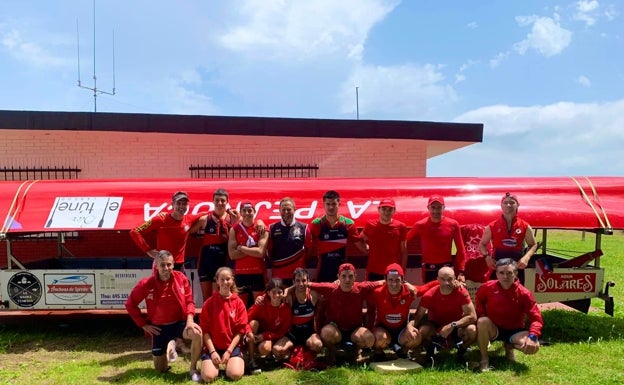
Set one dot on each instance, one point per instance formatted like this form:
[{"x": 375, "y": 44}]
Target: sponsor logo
[
  {"x": 564, "y": 282},
  {"x": 24, "y": 289},
  {"x": 84, "y": 212}
]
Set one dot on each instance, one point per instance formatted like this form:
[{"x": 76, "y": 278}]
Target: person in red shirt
[
  {"x": 344, "y": 312},
  {"x": 392, "y": 302},
  {"x": 215, "y": 228},
  {"x": 503, "y": 305},
  {"x": 331, "y": 234},
  {"x": 509, "y": 235},
  {"x": 172, "y": 230},
  {"x": 437, "y": 234},
  {"x": 247, "y": 248},
  {"x": 269, "y": 322},
  {"x": 385, "y": 240},
  {"x": 224, "y": 321},
  {"x": 170, "y": 311},
  {"x": 451, "y": 316}
]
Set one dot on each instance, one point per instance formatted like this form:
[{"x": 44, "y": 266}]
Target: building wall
[{"x": 158, "y": 155}]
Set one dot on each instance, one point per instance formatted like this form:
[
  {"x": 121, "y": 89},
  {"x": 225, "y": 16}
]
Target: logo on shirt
[
  {"x": 232, "y": 313},
  {"x": 518, "y": 231},
  {"x": 510, "y": 242}
]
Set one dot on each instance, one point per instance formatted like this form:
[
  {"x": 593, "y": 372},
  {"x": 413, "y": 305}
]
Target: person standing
[
  {"x": 172, "y": 230},
  {"x": 331, "y": 234},
  {"x": 437, "y": 234},
  {"x": 170, "y": 311},
  {"x": 503, "y": 306},
  {"x": 215, "y": 228},
  {"x": 289, "y": 242},
  {"x": 511, "y": 237},
  {"x": 247, "y": 248},
  {"x": 386, "y": 241}
]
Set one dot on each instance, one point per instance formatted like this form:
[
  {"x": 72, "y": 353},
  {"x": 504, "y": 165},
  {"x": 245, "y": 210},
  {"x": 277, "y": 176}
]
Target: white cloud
[
  {"x": 300, "y": 29},
  {"x": 403, "y": 91},
  {"x": 611, "y": 13},
  {"x": 472, "y": 25},
  {"x": 29, "y": 52},
  {"x": 587, "y": 11},
  {"x": 546, "y": 37},
  {"x": 498, "y": 59},
  {"x": 558, "y": 139},
  {"x": 584, "y": 81}
]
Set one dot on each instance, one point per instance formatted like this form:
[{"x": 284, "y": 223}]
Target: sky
[{"x": 546, "y": 78}]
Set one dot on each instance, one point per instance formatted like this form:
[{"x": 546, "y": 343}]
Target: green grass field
[{"x": 582, "y": 348}]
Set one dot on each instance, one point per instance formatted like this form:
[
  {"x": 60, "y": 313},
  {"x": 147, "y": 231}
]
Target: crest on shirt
[
  {"x": 518, "y": 231},
  {"x": 186, "y": 228},
  {"x": 326, "y": 236},
  {"x": 296, "y": 232},
  {"x": 232, "y": 313}
]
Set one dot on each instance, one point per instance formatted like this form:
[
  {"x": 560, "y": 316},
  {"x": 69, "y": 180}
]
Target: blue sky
[{"x": 545, "y": 77}]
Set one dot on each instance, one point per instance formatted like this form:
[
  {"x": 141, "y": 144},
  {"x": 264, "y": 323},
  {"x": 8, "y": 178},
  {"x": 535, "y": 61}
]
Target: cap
[
  {"x": 436, "y": 198},
  {"x": 387, "y": 203},
  {"x": 394, "y": 268},
  {"x": 345, "y": 266},
  {"x": 180, "y": 195},
  {"x": 510, "y": 195},
  {"x": 247, "y": 205}
]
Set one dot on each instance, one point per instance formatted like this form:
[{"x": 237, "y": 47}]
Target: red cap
[
  {"x": 247, "y": 205},
  {"x": 436, "y": 198},
  {"x": 394, "y": 268},
  {"x": 345, "y": 266},
  {"x": 510, "y": 195},
  {"x": 387, "y": 203}
]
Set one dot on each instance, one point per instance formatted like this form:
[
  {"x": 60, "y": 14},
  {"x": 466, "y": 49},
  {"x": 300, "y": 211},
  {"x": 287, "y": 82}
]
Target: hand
[
  {"x": 530, "y": 347},
  {"x": 490, "y": 262},
  {"x": 226, "y": 357},
  {"x": 461, "y": 278},
  {"x": 151, "y": 329},
  {"x": 522, "y": 263},
  {"x": 234, "y": 216},
  {"x": 259, "y": 300},
  {"x": 153, "y": 253},
  {"x": 216, "y": 360},
  {"x": 446, "y": 331},
  {"x": 192, "y": 328}
]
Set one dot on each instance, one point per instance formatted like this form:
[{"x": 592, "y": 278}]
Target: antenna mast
[{"x": 95, "y": 90}]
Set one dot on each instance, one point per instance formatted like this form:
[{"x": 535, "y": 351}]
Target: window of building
[{"x": 254, "y": 171}]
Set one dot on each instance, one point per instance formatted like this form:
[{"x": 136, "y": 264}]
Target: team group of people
[{"x": 298, "y": 315}]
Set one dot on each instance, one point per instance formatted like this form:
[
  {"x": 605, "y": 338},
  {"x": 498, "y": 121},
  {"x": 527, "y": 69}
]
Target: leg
[
  {"x": 382, "y": 338},
  {"x": 282, "y": 347},
  {"x": 208, "y": 371},
  {"x": 161, "y": 363},
  {"x": 314, "y": 343},
  {"x": 486, "y": 331},
  {"x": 331, "y": 336},
  {"x": 196, "y": 347},
  {"x": 362, "y": 338},
  {"x": 235, "y": 368},
  {"x": 206, "y": 288}
]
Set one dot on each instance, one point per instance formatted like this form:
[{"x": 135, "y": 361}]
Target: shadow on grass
[
  {"x": 572, "y": 326},
  {"x": 123, "y": 360},
  {"x": 132, "y": 376}
]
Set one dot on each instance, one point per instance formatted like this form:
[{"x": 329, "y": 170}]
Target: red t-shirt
[
  {"x": 508, "y": 242},
  {"x": 444, "y": 309},
  {"x": 222, "y": 318},
  {"x": 171, "y": 234},
  {"x": 217, "y": 230},
  {"x": 392, "y": 310},
  {"x": 384, "y": 244},
  {"x": 508, "y": 308},
  {"x": 248, "y": 264},
  {"x": 344, "y": 308},
  {"x": 436, "y": 241},
  {"x": 274, "y": 321}
]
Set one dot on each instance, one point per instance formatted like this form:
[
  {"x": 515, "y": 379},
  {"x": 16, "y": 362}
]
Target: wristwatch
[
  {"x": 533, "y": 337},
  {"x": 454, "y": 325}
]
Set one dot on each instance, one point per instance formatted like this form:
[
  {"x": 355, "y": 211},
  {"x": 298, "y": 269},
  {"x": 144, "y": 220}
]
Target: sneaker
[
  {"x": 195, "y": 376},
  {"x": 172, "y": 355},
  {"x": 254, "y": 368}
]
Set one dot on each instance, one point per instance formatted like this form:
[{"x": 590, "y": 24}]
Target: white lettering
[
  {"x": 355, "y": 211},
  {"x": 549, "y": 283},
  {"x": 306, "y": 212},
  {"x": 149, "y": 212}
]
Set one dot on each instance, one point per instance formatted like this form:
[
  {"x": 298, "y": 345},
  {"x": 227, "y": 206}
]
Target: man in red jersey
[
  {"x": 330, "y": 235},
  {"x": 509, "y": 235},
  {"x": 170, "y": 311},
  {"x": 503, "y": 305},
  {"x": 215, "y": 228},
  {"x": 451, "y": 316},
  {"x": 437, "y": 234},
  {"x": 386, "y": 242},
  {"x": 392, "y": 303},
  {"x": 344, "y": 312},
  {"x": 247, "y": 248},
  {"x": 172, "y": 230}
]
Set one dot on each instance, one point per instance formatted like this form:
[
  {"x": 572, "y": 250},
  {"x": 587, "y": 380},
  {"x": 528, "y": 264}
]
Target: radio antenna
[{"x": 95, "y": 90}]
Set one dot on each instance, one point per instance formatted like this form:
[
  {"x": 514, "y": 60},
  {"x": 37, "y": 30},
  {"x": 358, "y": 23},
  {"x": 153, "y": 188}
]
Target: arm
[
  {"x": 483, "y": 247},
  {"x": 413, "y": 232},
  {"x": 233, "y": 245},
  {"x": 132, "y": 305},
  {"x": 258, "y": 251},
  {"x": 137, "y": 235},
  {"x": 460, "y": 255},
  {"x": 418, "y": 316},
  {"x": 199, "y": 224},
  {"x": 403, "y": 254},
  {"x": 529, "y": 238},
  {"x": 362, "y": 245}
]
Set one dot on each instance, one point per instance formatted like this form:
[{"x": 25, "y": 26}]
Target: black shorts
[
  {"x": 167, "y": 333},
  {"x": 430, "y": 270},
  {"x": 179, "y": 267},
  {"x": 235, "y": 353},
  {"x": 506, "y": 335},
  {"x": 248, "y": 283},
  {"x": 211, "y": 259},
  {"x": 299, "y": 334}
]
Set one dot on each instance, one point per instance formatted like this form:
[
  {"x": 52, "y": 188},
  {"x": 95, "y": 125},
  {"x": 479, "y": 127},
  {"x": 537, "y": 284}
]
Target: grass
[{"x": 582, "y": 348}]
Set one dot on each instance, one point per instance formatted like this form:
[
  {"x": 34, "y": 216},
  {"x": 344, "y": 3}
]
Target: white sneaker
[
  {"x": 172, "y": 355},
  {"x": 195, "y": 376}
]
